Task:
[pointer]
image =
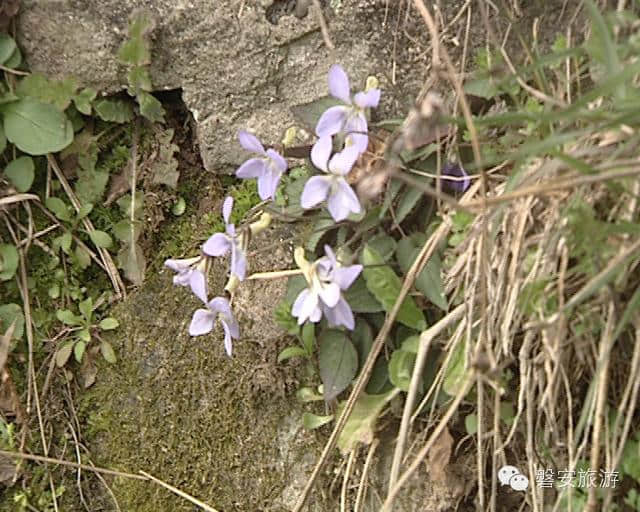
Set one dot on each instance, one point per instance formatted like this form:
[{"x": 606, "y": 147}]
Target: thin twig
[
  {"x": 180, "y": 493},
  {"x": 323, "y": 25}
]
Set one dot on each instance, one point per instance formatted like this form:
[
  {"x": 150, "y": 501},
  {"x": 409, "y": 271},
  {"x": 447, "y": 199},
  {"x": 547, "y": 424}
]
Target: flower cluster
[{"x": 342, "y": 128}]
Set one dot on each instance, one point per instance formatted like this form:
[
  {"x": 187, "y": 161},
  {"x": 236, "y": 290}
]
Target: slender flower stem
[{"x": 275, "y": 275}]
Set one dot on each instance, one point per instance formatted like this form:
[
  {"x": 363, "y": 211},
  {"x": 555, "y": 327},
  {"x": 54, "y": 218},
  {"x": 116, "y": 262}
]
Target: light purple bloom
[
  {"x": 349, "y": 118},
  {"x": 221, "y": 243},
  {"x": 268, "y": 168},
  {"x": 188, "y": 275},
  {"x": 457, "y": 171},
  {"x": 341, "y": 199},
  {"x": 204, "y": 320},
  {"x": 327, "y": 278}
]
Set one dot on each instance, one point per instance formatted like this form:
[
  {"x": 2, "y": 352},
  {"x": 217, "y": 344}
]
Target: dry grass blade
[{"x": 180, "y": 493}]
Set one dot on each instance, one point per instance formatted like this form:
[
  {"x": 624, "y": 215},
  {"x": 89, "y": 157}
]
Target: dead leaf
[
  {"x": 120, "y": 184},
  {"x": 5, "y": 342},
  {"x": 8, "y": 9},
  {"x": 439, "y": 455},
  {"x": 88, "y": 370}
]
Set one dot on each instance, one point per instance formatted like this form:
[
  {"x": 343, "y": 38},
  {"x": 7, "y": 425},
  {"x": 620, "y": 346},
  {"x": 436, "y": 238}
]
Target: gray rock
[{"x": 235, "y": 68}]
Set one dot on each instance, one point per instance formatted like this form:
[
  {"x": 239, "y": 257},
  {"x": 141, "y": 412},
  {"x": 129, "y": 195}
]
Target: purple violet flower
[
  {"x": 219, "y": 244},
  {"x": 268, "y": 168},
  {"x": 189, "y": 275},
  {"x": 341, "y": 199},
  {"x": 204, "y": 320},
  {"x": 327, "y": 278},
  {"x": 456, "y": 171},
  {"x": 350, "y": 118}
]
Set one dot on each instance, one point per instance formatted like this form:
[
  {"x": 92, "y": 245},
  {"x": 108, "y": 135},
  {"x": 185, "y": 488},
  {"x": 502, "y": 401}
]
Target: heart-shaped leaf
[
  {"x": 20, "y": 173},
  {"x": 338, "y": 362}
]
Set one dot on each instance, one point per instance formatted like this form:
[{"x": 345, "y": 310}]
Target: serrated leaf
[
  {"x": 115, "y": 111},
  {"x": 63, "y": 354},
  {"x": 400, "y": 369},
  {"x": 150, "y": 107},
  {"x": 68, "y": 318},
  {"x": 20, "y": 173},
  {"x": 165, "y": 167},
  {"x": 290, "y": 352},
  {"x": 311, "y": 421},
  {"x": 108, "y": 324},
  {"x": 8, "y": 261},
  {"x": 360, "y": 298},
  {"x": 101, "y": 239},
  {"x": 83, "y": 99},
  {"x": 429, "y": 281},
  {"x": 455, "y": 372},
  {"x": 78, "y": 350},
  {"x": 361, "y": 423},
  {"x": 135, "y": 50},
  {"x": 10, "y": 313},
  {"x": 35, "y": 127},
  {"x": 283, "y": 317},
  {"x": 131, "y": 260},
  {"x": 338, "y": 362},
  {"x": 107, "y": 352},
  {"x": 58, "y": 207},
  {"x": 55, "y": 92},
  {"x": 385, "y": 285}
]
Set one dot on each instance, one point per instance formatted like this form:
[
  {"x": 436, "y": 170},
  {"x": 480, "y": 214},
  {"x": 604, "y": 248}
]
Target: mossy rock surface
[{"x": 225, "y": 430}]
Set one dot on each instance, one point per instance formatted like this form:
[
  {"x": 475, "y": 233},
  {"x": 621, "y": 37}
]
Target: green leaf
[
  {"x": 84, "y": 335},
  {"x": 360, "y": 299},
  {"x": 131, "y": 260},
  {"x": 308, "y": 337},
  {"x": 384, "y": 245},
  {"x": 290, "y": 352},
  {"x": 84, "y": 210},
  {"x": 90, "y": 185},
  {"x": 321, "y": 227},
  {"x": 385, "y": 285},
  {"x": 150, "y": 107},
  {"x": 58, "y": 207},
  {"x": 283, "y": 317},
  {"x": 309, "y": 113},
  {"x": 400, "y": 369},
  {"x": 409, "y": 199},
  {"x": 135, "y": 50},
  {"x": 338, "y": 362},
  {"x": 311, "y": 421},
  {"x": 7, "y": 47},
  {"x": 20, "y": 173},
  {"x": 139, "y": 80},
  {"x": 8, "y": 314},
  {"x": 54, "y": 92},
  {"x": 429, "y": 281},
  {"x": 15, "y": 60},
  {"x": 3, "y": 140},
  {"x": 78, "y": 350},
  {"x": 471, "y": 424},
  {"x": 361, "y": 423},
  {"x": 107, "y": 352},
  {"x": 454, "y": 375},
  {"x": 82, "y": 257},
  {"x": 36, "y": 128},
  {"x": 68, "y": 318},
  {"x": 63, "y": 354},
  {"x": 362, "y": 337},
  {"x": 306, "y": 395},
  {"x": 83, "y": 99},
  {"x": 86, "y": 308},
  {"x": 295, "y": 285},
  {"x": 8, "y": 261},
  {"x": 101, "y": 239},
  {"x": 108, "y": 324},
  {"x": 179, "y": 207},
  {"x": 115, "y": 111},
  {"x": 54, "y": 291},
  {"x": 379, "y": 381},
  {"x": 63, "y": 242},
  {"x": 481, "y": 87}
]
